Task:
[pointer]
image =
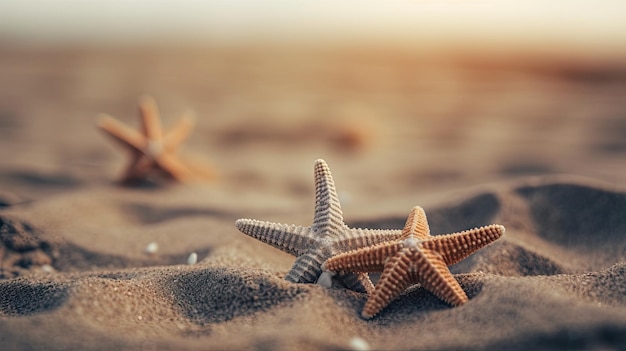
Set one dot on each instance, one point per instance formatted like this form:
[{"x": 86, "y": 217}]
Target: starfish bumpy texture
[
  {"x": 415, "y": 257},
  {"x": 327, "y": 236},
  {"x": 151, "y": 149}
]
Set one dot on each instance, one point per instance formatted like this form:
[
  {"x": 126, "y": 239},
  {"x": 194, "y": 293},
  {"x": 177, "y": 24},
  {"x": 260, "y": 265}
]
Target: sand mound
[
  {"x": 21, "y": 298},
  {"x": 22, "y": 248},
  {"x": 578, "y": 217}
]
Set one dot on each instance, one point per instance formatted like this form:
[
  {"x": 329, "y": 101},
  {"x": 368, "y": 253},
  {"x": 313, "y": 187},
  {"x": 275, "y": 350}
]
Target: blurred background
[{"x": 423, "y": 95}]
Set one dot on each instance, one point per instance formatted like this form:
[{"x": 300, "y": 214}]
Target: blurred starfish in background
[
  {"x": 415, "y": 257},
  {"x": 151, "y": 149},
  {"x": 326, "y": 237}
]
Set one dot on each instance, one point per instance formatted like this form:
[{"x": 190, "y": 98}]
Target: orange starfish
[
  {"x": 151, "y": 149},
  {"x": 415, "y": 257}
]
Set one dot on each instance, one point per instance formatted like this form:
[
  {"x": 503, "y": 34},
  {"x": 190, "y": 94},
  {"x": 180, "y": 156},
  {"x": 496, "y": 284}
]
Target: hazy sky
[{"x": 578, "y": 23}]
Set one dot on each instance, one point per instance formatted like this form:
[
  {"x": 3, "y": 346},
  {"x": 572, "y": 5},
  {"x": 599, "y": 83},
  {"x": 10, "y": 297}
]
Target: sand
[{"x": 538, "y": 150}]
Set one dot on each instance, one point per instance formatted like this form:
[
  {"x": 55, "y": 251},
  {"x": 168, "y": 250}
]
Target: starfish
[
  {"x": 151, "y": 149},
  {"x": 415, "y": 257},
  {"x": 326, "y": 237}
]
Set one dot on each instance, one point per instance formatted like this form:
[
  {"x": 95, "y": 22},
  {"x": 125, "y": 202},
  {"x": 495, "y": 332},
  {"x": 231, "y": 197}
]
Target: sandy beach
[{"x": 537, "y": 146}]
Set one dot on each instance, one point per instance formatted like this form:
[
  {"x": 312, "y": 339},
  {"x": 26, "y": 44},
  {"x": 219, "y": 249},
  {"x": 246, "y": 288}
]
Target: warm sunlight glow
[{"x": 575, "y": 24}]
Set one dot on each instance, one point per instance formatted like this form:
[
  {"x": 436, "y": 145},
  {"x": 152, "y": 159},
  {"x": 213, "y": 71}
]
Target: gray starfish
[{"x": 328, "y": 236}]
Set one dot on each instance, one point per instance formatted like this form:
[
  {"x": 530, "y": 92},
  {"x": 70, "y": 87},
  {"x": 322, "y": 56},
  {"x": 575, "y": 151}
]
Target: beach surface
[{"x": 538, "y": 146}]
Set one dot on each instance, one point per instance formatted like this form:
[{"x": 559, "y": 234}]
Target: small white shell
[
  {"x": 192, "y": 259},
  {"x": 326, "y": 279},
  {"x": 152, "y": 248},
  {"x": 359, "y": 344}
]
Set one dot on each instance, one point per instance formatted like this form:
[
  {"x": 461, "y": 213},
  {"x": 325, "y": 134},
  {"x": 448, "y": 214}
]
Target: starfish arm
[
  {"x": 328, "y": 217},
  {"x": 175, "y": 136},
  {"x": 433, "y": 274},
  {"x": 126, "y": 136},
  {"x": 288, "y": 238},
  {"x": 174, "y": 167},
  {"x": 416, "y": 225},
  {"x": 359, "y": 282},
  {"x": 151, "y": 123},
  {"x": 367, "y": 259},
  {"x": 306, "y": 268},
  {"x": 201, "y": 170},
  {"x": 455, "y": 247},
  {"x": 356, "y": 238},
  {"x": 393, "y": 281}
]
